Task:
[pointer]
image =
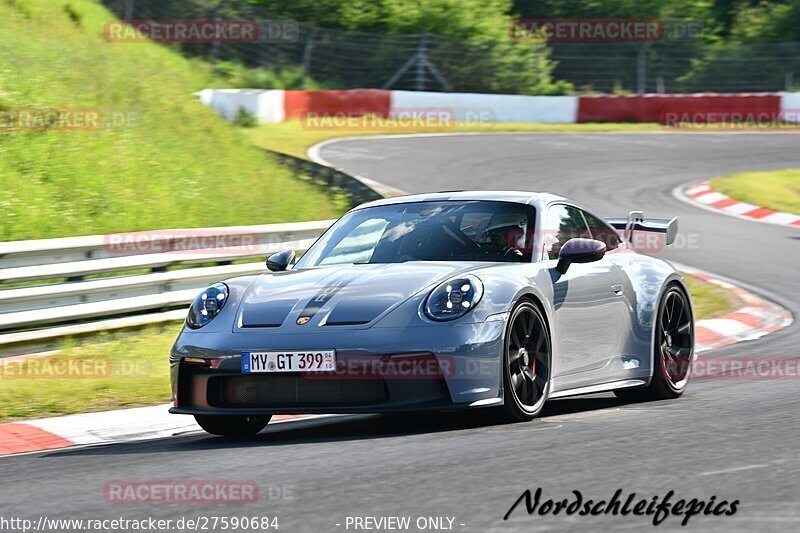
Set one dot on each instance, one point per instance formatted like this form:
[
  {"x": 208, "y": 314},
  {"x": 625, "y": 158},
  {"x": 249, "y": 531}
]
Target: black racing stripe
[{"x": 322, "y": 297}]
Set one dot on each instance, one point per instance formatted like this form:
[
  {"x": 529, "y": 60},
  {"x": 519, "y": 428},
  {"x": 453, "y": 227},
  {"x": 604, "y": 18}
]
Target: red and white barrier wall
[
  {"x": 267, "y": 106},
  {"x": 492, "y": 107},
  {"x": 675, "y": 108},
  {"x": 273, "y": 106}
]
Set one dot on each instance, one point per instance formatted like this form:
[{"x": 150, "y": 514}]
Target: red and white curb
[
  {"x": 758, "y": 317},
  {"x": 107, "y": 427},
  {"x": 704, "y": 196}
]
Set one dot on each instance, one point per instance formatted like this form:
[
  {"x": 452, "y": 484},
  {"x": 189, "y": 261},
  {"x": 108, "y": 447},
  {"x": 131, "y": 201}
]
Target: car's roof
[{"x": 520, "y": 197}]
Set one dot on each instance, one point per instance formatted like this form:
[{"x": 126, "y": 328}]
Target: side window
[
  {"x": 563, "y": 223},
  {"x": 602, "y": 231}
]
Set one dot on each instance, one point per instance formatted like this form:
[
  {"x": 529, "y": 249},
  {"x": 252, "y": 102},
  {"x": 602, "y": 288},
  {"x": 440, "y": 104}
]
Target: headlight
[
  {"x": 454, "y": 298},
  {"x": 207, "y": 305}
]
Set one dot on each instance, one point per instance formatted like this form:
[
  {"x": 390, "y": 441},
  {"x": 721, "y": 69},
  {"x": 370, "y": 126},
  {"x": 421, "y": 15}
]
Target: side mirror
[
  {"x": 579, "y": 251},
  {"x": 280, "y": 261}
]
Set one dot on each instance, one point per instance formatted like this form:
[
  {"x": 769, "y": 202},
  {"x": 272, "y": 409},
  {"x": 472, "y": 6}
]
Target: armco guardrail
[{"x": 34, "y": 317}]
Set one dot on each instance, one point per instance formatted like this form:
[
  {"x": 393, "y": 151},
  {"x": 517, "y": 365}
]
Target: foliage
[
  {"x": 465, "y": 19},
  {"x": 470, "y": 41},
  {"x": 245, "y": 119},
  {"x": 239, "y": 75}
]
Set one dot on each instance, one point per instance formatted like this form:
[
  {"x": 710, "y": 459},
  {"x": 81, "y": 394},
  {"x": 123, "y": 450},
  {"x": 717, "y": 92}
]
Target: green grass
[
  {"x": 116, "y": 371},
  {"x": 139, "y": 369},
  {"x": 778, "y": 190},
  {"x": 176, "y": 164},
  {"x": 710, "y": 300},
  {"x": 292, "y": 138}
]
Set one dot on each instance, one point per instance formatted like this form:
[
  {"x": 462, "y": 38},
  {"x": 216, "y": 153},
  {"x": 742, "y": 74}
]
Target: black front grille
[{"x": 290, "y": 390}]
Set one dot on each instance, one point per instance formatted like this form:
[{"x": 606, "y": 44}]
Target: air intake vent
[{"x": 294, "y": 391}]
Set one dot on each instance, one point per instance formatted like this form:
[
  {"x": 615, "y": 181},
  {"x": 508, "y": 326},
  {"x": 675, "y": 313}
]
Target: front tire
[
  {"x": 673, "y": 349},
  {"x": 232, "y": 425},
  {"x": 527, "y": 363}
]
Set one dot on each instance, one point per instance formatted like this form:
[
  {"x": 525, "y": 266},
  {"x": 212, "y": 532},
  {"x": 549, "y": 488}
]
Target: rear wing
[{"x": 637, "y": 222}]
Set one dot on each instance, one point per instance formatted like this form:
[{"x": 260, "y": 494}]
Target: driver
[
  {"x": 508, "y": 233},
  {"x": 505, "y": 239}
]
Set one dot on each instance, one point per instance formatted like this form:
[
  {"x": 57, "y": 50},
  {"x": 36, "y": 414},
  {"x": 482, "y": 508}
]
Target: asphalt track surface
[{"x": 736, "y": 440}]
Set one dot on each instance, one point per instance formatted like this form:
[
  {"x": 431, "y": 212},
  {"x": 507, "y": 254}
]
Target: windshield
[{"x": 428, "y": 231}]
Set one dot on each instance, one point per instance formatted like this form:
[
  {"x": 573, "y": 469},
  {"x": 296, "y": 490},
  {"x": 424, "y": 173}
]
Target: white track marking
[{"x": 732, "y": 470}]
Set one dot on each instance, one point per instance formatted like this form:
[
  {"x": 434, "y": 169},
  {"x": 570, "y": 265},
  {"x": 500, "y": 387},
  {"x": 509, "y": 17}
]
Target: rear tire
[
  {"x": 232, "y": 425},
  {"x": 673, "y": 350},
  {"x": 526, "y": 364}
]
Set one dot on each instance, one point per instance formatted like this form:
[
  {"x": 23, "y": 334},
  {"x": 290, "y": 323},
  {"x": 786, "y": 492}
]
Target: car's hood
[{"x": 338, "y": 296}]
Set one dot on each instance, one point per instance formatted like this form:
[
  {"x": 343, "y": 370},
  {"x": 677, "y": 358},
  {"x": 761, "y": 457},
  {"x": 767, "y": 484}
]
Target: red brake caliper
[{"x": 532, "y": 362}]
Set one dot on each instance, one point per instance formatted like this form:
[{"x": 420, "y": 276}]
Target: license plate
[{"x": 270, "y": 362}]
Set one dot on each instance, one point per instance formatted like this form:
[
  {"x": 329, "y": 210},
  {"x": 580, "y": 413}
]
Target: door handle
[{"x": 617, "y": 289}]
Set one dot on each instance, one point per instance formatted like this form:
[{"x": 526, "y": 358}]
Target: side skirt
[{"x": 603, "y": 387}]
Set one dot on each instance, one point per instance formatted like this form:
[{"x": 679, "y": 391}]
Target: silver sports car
[{"x": 438, "y": 301}]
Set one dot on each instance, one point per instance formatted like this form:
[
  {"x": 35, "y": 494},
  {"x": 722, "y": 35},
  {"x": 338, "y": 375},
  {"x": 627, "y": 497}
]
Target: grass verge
[
  {"x": 710, "y": 301},
  {"x": 132, "y": 148},
  {"x": 778, "y": 190},
  {"x": 292, "y": 138},
  {"x": 131, "y": 370},
  {"x": 110, "y": 371}
]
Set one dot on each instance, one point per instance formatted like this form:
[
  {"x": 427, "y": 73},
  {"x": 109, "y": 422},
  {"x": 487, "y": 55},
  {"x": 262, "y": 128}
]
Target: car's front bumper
[{"x": 466, "y": 370}]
